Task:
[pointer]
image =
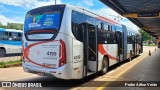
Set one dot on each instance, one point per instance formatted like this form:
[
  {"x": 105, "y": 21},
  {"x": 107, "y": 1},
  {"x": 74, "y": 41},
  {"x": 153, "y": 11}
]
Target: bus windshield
[{"x": 45, "y": 18}]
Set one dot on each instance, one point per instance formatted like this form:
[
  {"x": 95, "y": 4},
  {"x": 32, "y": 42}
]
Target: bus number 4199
[{"x": 51, "y": 53}]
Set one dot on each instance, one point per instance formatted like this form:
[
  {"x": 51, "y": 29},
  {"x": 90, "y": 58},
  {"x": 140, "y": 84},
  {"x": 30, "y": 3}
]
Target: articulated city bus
[
  {"x": 69, "y": 42},
  {"x": 10, "y": 41}
]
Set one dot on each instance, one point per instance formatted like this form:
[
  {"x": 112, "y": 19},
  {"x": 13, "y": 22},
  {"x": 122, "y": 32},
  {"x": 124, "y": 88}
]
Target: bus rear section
[{"x": 44, "y": 48}]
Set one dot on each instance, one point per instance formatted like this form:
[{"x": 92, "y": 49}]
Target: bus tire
[
  {"x": 105, "y": 65},
  {"x": 2, "y": 52}
]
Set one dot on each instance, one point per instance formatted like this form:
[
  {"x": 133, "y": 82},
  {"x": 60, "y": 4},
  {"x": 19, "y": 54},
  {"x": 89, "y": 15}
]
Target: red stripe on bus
[
  {"x": 107, "y": 20},
  {"x": 26, "y": 53},
  {"x": 41, "y": 31},
  {"x": 103, "y": 52}
]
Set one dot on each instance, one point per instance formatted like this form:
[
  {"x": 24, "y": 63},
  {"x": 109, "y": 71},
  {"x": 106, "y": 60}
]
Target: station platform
[{"x": 145, "y": 68}]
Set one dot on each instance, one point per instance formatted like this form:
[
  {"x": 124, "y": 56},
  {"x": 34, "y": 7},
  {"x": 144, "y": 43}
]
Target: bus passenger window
[
  {"x": 10, "y": 36},
  {"x": 5, "y": 36},
  {"x": 111, "y": 28},
  {"x": 77, "y": 31},
  {"x": 19, "y": 38},
  {"x": 14, "y": 36},
  {"x": 109, "y": 37},
  {"x": 108, "y": 27},
  {"x": 1, "y": 35},
  {"x": 105, "y": 26},
  {"x": 115, "y": 29},
  {"x": 102, "y": 27},
  {"x": 99, "y": 25}
]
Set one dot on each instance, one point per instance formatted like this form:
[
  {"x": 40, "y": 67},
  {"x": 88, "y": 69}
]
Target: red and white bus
[{"x": 69, "y": 42}]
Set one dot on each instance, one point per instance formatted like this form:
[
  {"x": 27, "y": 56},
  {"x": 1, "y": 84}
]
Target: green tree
[
  {"x": 145, "y": 35},
  {"x": 15, "y": 26},
  {"x": 2, "y": 26}
]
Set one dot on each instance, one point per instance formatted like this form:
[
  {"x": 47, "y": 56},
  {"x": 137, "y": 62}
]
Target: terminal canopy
[{"x": 144, "y": 13}]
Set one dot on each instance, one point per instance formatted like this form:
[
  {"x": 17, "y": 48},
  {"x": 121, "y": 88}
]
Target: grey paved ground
[{"x": 146, "y": 70}]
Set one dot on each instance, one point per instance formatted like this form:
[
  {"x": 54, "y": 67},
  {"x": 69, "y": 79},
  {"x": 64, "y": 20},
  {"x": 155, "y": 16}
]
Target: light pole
[
  {"x": 118, "y": 18},
  {"x": 55, "y": 2}
]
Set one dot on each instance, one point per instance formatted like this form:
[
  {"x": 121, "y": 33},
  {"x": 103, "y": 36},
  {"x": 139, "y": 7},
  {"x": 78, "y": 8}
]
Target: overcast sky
[{"x": 15, "y": 10}]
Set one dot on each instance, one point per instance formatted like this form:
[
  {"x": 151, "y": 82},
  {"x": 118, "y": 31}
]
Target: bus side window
[
  {"x": 15, "y": 36},
  {"x": 113, "y": 38},
  {"x": 77, "y": 31},
  {"x": 105, "y": 26},
  {"x": 1, "y": 35},
  {"x": 128, "y": 38},
  {"x": 19, "y": 37},
  {"x": 108, "y": 37},
  {"x": 102, "y": 37},
  {"x": 109, "y": 28},
  {"x": 5, "y": 37},
  {"x": 10, "y": 36}
]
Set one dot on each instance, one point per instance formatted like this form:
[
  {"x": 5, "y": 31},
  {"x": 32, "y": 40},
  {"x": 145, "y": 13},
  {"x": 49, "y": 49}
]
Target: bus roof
[
  {"x": 10, "y": 30},
  {"x": 103, "y": 18},
  {"x": 107, "y": 19}
]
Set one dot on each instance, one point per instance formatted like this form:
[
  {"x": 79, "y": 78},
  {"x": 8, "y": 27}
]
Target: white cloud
[
  {"x": 12, "y": 2},
  {"x": 106, "y": 12},
  {"x": 5, "y": 20},
  {"x": 88, "y": 2},
  {"x": 109, "y": 13},
  {"x": 44, "y": 3},
  {"x": 3, "y": 9},
  {"x": 129, "y": 24},
  {"x": 29, "y": 3}
]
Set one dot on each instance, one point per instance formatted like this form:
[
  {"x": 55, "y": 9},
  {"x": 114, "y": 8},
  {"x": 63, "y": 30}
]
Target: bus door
[
  {"x": 133, "y": 45},
  {"x": 141, "y": 45},
  {"x": 90, "y": 49},
  {"x": 120, "y": 45}
]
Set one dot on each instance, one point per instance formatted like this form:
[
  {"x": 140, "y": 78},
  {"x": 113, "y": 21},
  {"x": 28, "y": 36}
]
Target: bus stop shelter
[{"x": 144, "y": 13}]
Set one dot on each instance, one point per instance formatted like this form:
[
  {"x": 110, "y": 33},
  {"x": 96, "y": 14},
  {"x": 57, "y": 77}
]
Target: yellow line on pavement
[
  {"x": 119, "y": 74},
  {"x": 103, "y": 86}
]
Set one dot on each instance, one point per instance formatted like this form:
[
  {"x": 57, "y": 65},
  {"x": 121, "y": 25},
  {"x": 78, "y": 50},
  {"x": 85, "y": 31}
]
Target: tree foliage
[
  {"x": 16, "y": 26},
  {"x": 145, "y": 35},
  {"x": 2, "y": 26}
]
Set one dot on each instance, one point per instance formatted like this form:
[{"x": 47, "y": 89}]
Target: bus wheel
[
  {"x": 2, "y": 53},
  {"x": 105, "y": 66}
]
